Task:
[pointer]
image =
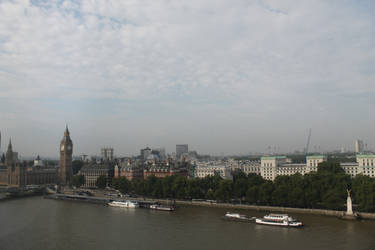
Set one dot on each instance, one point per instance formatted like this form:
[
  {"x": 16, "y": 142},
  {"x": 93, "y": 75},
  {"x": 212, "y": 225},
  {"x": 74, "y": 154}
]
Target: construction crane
[{"x": 308, "y": 142}]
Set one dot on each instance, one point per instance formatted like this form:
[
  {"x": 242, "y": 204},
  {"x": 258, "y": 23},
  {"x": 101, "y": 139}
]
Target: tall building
[
  {"x": 181, "y": 149},
  {"x": 66, "y": 152},
  {"x": 145, "y": 152},
  {"x": 107, "y": 154},
  {"x": 359, "y": 146}
]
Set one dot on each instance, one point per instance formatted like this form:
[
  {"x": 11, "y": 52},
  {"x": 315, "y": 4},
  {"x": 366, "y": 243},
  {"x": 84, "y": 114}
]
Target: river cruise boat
[
  {"x": 162, "y": 208},
  {"x": 126, "y": 204},
  {"x": 279, "y": 220},
  {"x": 237, "y": 217}
]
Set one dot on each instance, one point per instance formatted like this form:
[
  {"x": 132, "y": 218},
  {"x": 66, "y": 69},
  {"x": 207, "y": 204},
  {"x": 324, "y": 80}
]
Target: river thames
[{"x": 37, "y": 223}]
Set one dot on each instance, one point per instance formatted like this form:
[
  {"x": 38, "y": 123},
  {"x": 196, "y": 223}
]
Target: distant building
[
  {"x": 92, "y": 171},
  {"x": 181, "y": 149},
  {"x": 249, "y": 167},
  {"x": 273, "y": 166},
  {"x": 38, "y": 162},
  {"x": 160, "y": 152},
  {"x": 107, "y": 154},
  {"x": 16, "y": 174},
  {"x": 145, "y": 152},
  {"x": 222, "y": 171},
  {"x": 129, "y": 170},
  {"x": 359, "y": 146},
  {"x": 166, "y": 168}
]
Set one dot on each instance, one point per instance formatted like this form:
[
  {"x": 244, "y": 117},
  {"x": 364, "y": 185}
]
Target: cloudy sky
[{"x": 223, "y": 76}]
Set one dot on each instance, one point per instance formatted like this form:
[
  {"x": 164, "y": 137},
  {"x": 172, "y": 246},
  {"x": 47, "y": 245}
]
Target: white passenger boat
[
  {"x": 162, "y": 208},
  {"x": 279, "y": 220},
  {"x": 129, "y": 204}
]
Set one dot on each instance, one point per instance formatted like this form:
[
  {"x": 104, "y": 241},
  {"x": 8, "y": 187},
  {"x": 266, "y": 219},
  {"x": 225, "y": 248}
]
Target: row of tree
[{"x": 326, "y": 188}]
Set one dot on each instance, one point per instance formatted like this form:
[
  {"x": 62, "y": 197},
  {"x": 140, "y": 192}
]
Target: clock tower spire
[{"x": 66, "y": 152}]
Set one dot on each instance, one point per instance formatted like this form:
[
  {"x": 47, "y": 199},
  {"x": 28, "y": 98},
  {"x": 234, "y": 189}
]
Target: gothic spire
[
  {"x": 10, "y": 145},
  {"x": 66, "y": 130}
]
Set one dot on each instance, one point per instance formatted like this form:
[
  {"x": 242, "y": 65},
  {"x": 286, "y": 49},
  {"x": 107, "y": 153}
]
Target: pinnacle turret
[
  {"x": 66, "y": 130},
  {"x": 10, "y": 145}
]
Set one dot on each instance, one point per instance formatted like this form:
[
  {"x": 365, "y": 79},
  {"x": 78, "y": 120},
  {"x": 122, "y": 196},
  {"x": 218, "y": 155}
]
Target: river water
[{"x": 37, "y": 223}]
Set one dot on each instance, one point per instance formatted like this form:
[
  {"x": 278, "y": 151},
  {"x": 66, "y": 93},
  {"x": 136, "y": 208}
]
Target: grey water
[{"x": 38, "y": 223}]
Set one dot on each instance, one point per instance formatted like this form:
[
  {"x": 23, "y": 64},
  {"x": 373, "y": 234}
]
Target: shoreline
[{"x": 325, "y": 212}]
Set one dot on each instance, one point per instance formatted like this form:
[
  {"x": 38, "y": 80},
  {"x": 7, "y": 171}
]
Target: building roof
[
  {"x": 292, "y": 165},
  {"x": 347, "y": 164},
  {"x": 366, "y": 156},
  {"x": 273, "y": 157},
  {"x": 90, "y": 167},
  {"x": 315, "y": 156}
]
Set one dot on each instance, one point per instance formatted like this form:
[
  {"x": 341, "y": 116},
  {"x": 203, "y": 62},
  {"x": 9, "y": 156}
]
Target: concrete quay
[{"x": 334, "y": 213}]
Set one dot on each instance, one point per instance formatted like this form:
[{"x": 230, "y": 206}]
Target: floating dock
[{"x": 93, "y": 199}]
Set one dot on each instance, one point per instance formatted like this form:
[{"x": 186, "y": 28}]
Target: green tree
[
  {"x": 265, "y": 193},
  {"x": 167, "y": 186},
  {"x": 224, "y": 191},
  {"x": 101, "y": 182},
  {"x": 78, "y": 180},
  {"x": 122, "y": 184},
  {"x": 252, "y": 195},
  {"x": 330, "y": 167},
  {"x": 179, "y": 187},
  {"x": 364, "y": 193},
  {"x": 76, "y": 166},
  {"x": 210, "y": 195},
  {"x": 138, "y": 186}
]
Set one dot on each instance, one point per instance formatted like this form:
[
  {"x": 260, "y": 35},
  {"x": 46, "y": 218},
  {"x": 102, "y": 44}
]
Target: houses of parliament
[{"x": 14, "y": 173}]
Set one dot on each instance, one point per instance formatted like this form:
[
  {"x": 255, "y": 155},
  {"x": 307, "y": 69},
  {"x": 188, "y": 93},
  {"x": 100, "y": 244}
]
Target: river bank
[{"x": 334, "y": 213}]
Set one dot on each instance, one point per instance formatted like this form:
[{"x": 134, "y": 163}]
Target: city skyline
[
  {"x": 223, "y": 77},
  {"x": 270, "y": 150}
]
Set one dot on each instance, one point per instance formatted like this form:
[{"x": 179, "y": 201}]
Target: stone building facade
[
  {"x": 92, "y": 171},
  {"x": 16, "y": 174},
  {"x": 66, "y": 154},
  {"x": 167, "y": 168},
  {"x": 129, "y": 170}
]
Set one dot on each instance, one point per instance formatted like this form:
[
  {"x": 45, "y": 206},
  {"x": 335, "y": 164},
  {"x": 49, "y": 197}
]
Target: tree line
[{"x": 324, "y": 189}]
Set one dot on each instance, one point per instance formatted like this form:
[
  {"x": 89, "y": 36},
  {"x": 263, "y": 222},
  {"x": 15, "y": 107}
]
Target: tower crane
[{"x": 308, "y": 142}]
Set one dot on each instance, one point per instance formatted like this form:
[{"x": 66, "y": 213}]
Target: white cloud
[{"x": 255, "y": 59}]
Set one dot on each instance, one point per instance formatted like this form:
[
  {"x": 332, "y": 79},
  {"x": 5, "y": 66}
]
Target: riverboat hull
[
  {"x": 162, "y": 208},
  {"x": 283, "y": 224},
  {"x": 127, "y": 204}
]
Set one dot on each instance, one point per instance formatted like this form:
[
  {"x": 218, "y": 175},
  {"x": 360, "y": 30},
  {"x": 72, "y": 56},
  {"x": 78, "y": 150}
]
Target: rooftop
[
  {"x": 366, "y": 156},
  {"x": 273, "y": 157},
  {"x": 315, "y": 156}
]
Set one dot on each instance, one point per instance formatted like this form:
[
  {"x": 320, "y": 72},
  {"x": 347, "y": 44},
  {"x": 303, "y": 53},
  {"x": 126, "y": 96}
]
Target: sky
[{"x": 225, "y": 77}]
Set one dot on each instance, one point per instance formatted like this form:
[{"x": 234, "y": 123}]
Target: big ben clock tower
[{"x": 66, "y": 152}]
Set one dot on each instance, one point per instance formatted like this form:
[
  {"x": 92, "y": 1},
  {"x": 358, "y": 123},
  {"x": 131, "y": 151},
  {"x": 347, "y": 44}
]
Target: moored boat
[
  {"x": 126, "y": 204},
  {"x": 279, "y": 220},
  {"x": 162, "y": 208}
]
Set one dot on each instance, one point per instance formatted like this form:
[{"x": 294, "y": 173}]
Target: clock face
[
  {"x": 62, "y": 147},
  {"x": 69, "y": 147}
]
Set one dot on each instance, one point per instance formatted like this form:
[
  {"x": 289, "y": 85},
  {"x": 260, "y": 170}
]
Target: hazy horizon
[{"x": 225, "y": 77}]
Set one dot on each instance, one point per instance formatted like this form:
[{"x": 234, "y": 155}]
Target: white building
[
  {"x": 366, "y": 164},
  {"x": 202, "y": 171},
  {"x": 250, "y": 167},
  {"x": 272, "y": 166}
]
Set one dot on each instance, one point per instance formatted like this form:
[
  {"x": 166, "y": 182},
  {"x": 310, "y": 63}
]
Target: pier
[{"x": 97, "y": 200}]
